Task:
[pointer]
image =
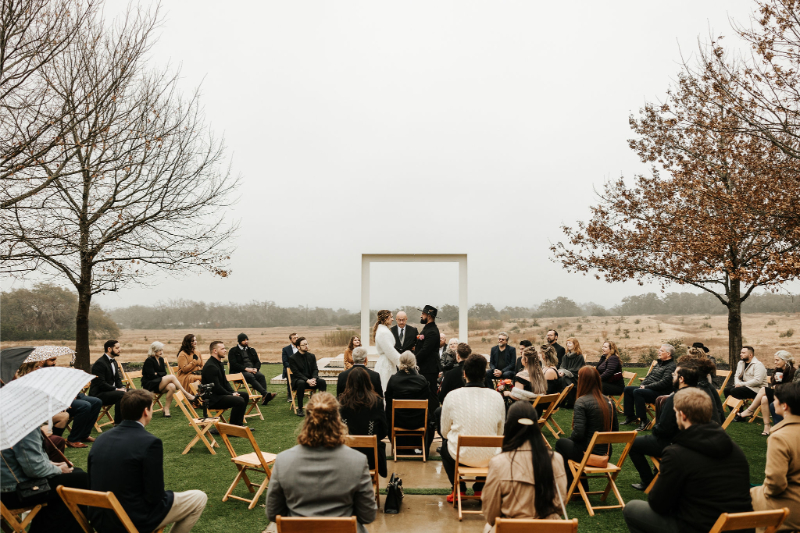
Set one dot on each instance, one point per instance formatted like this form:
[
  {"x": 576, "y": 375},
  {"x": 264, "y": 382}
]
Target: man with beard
[
  {"x": 552, "y": 339},
  {"x": 222, "y": 394},
  {"x": 427, "y": 348},
  {"x": 107, "y": 386}
]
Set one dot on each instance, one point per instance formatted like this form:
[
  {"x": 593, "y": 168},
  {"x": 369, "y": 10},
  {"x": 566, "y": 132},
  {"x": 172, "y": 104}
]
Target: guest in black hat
[
  {"x": 427, "y": 349},
  {"x": 242, "y": 358}
]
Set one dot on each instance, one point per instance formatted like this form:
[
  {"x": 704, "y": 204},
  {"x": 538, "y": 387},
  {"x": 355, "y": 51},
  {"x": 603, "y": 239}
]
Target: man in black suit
[
  {"x": 405, "y": 336},
  {"x": 552, "y": 338},
  {"x": 129, "y": 461},
  {"x": 222, "y": 395},
  {"x": 107, "y": 386},
  {"x": 524, "y": 343},
  {"x": 286, "y": 354},
  {"x": 244, "y": 359},
  {"x": 502, "y": 359},
  {"x": 305, "y": 374},
  {"x": 427, "y": 349},
  {"x": 359, "y": 359}
]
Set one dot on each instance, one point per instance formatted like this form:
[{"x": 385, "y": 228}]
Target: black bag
[
  {"x": 394, "y": 495},
  {"x": 31, "y": 492}
]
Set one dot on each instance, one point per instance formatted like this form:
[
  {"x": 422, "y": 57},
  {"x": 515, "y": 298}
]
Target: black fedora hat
[
  {"x": 701, "y": 346},
  {"x": 430, "y": 310}
]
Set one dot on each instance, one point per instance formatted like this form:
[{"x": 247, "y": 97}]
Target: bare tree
[
  {"x": 32, "y": 34},
  {"x": 143, "y": 183}
]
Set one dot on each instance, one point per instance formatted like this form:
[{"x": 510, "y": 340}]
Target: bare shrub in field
[
  {"x": 649, "y": 356},
  {"x": 787, "y": 333},
  {"x": 676, "y": 343},
  {"x": 338, "y": 337},
  {"x": 624, "y": 354}
]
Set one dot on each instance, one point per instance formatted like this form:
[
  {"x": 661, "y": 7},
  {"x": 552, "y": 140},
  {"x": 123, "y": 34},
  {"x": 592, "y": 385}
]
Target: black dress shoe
[
  {"x": 213, "y": 431},
  {"x": 439, "y": 450},
  {"x": 639, "y": 486},
  {"x": 643, "y": 426},
  {"x": 629, "y": 421},
  {"x": 300, "y": 412},
  {"x": 268, "y": 397}
]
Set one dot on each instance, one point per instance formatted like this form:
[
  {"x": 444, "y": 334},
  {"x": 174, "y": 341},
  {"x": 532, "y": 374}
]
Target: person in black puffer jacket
[
  {"x": 703, "y": 474},
  {"x": 657, "y": 383},
  {"x": 593, "y": 412}
]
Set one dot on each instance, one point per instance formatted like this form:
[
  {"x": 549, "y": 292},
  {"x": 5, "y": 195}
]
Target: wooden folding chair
[
  {"x": 255, "y": 461},
  {"x": 727, "y": 374},
  {"x": 652, "y": 366},
  {"x": 293, "y": 405},
  {"x": 137, "y": 374},
  {"x": 12, "y": 516},
  {"x": 104, "y": 413},
  {"x": 630, "y": 376},
  {"x": 201, "y": 425},
  {"x": 368, "y": 441},
  {"x": 409, "y": 432},
  {"x": 657, "y": 465},
  {"x": 237, "y": 381},
  {"x": 552, "y": 420},
  {"x": 215, "y": 413},
  {"x": 734, "y": 404},
  {"x": 529, "y": 525},
  {"x": 544, "y": 417},
  {"x": 771, "y": 520},
  {"x": 315, "y": 525},
  {"x": 91, "y": 498},
  {"x": 471, "y": 473},
  {"x": 610, "y": 472}
]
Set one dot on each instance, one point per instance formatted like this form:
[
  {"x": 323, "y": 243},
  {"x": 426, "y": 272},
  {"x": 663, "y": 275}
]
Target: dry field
[{"x": 636, "y": 334}]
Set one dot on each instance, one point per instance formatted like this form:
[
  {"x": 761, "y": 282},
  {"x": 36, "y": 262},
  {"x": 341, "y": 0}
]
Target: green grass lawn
[{"x": 277, "y": 432}]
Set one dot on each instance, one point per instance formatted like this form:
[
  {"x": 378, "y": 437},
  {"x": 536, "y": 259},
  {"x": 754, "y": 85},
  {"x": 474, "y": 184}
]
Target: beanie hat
[{"x": 242, "y": 337}]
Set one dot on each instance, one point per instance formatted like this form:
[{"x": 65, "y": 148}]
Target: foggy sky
[{"x": 473, "y": 127}]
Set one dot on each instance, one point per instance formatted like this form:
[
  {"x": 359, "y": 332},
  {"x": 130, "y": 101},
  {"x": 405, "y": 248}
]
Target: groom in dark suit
[
  {"x": 427, "y": 349},
  {"x": 405, "y": 336}
]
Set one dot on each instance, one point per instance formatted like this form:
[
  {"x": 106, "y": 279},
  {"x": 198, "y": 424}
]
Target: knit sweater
[{"x": 472, "y": 410}]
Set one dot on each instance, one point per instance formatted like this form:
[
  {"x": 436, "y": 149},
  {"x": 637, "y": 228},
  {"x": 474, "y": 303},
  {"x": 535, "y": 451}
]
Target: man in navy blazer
[
  {"x": 129, "y": 461},
  {"x": 501, "y": 360},
  {"x": 286, "y": 354}
]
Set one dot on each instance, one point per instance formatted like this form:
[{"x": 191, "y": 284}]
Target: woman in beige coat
[
  {"x": 781, "y": 486},
  {"x": 189, "y": 362},
  {"x": 527, "y": 480}
]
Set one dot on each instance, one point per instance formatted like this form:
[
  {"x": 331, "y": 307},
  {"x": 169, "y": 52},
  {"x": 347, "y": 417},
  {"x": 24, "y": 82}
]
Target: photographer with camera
[{"x": 222, "y": 395}]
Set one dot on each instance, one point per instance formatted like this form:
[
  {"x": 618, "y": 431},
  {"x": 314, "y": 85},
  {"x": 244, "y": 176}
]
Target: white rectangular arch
[{"x": 368, "y": 259}]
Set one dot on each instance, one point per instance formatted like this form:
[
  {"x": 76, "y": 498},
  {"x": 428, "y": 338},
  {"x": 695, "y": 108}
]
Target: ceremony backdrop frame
[{"x": 368, "y": 259}]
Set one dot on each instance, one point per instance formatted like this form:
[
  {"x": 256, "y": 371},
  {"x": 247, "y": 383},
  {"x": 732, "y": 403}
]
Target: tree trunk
[
  {"x": 734, "y": 322},
  {"x": 82, "y": 360}
]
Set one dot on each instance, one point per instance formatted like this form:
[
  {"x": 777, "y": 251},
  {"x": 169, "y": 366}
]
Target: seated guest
[
  {"x": 593, "y": 412},
  {"x": 501, "y": 360},
  {"x": 706, "y": 368},
  {"x": 750, "y": 376},
  {"x": 442, "y": 349},
  {"x": 222, "y": 395},
  {"x": 550, "y": 368},
  {"x": 470, "y": 410},
  {"x": 572, "y": 362},
  {"x": 26, "y": 461},
  {"x": 527, "y": 480},
  {"x": 448, "y": 360},
  {"x": 703, "y": 474},
  {"x": 781, "y": 486},
  {"x": 610, "y": 368},
  {"x": 518, "y": 366},
  {"x": 354, "y": 343},
  {"x": 360, "y": 361},
  {"x": 657, "y": 383},
  {"x": 243, "y": 359},
  {"x": 321, "y": 477},
  {"x": 83, "y": 411},
  {"x": 530, "y": 382},
  {"x": 286, "y": 354},
  {"x": 107, "y": 386},
  {"x": 190, "y": 362},
  {"x": 454, "y": 378},
  {"x": 361, "y": 409},
  {"x": 408, "y": 384},
  {"x": 155, "y": 377},
  {"x": 129, "y": 461},
  {"x": 784, "y": 373},
  {"x": 305, "y": 374}
]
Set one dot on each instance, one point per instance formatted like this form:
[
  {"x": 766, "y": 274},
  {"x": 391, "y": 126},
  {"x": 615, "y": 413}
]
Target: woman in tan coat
[
  {"x": 189, "y": 361},
  {"x": 781, "y": 486},
  {"x": 527, "y": 480}
]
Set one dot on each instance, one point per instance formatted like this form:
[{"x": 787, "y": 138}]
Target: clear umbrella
[
  {"x": 34, "y": 398},
  {"x": 43, "y": 353}
]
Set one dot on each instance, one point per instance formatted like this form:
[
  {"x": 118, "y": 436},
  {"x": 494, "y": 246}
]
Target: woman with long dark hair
[
  {"x": 362, "y": 411},
  {"x": 593, "y": 412},
  {"x": 190, "y": 362},
  {"x": 354, "y": 343},
  {"x": 527, "y": 480}
]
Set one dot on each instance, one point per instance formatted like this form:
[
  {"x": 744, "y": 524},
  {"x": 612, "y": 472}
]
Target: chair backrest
[
  {"x": 364, "y": 441},
  {"x": 235, "y": 377},
  {"x": 105, "y": 500},
  {"x": 725, "y": 374},
  {"x": 316, "y": 525},
  {"x": 771, "y": 520},
  {"x": 734, "y": 404},
  {"x": 630, "y": 376},
  {"x": 652, "y": 366},
  {"x": 527, "y": 525},
  {"x": 478, "y": 441},
  {"x": 611, "y": 437},
  {"x": 134, "y": 374},
  {"x": 229, "y": 430},
  {"x": 565, "y": 392},
  {"x": 409, "y": 404},
  {"x": 184, "y": 405},
  {"x": 545, "y": 398},
  {"x": 172, "y": 369}
]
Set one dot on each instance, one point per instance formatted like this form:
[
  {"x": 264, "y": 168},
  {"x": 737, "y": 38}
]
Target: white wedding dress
[{"x": 388, "y": 357}]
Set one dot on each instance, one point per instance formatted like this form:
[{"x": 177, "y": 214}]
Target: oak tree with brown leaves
[{"x": 692, "y": 221}]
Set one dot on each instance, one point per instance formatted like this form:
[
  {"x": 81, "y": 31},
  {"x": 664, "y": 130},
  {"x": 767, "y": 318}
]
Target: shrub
[
  {"x": 771, "y": 323},
  {"x": 676, "y": 343},
  {"x": 624, "y": 354},
  {"x": 787, "y": 333},
  {"x": 338, "y": 337},
  {"x": 636, "y": 321},
  {"x": 649, "y": 356},
  {"x": 706, "y": 325}
]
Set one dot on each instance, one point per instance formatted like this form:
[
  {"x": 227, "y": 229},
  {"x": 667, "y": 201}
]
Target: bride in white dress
[{"x": 386, "y": 365}]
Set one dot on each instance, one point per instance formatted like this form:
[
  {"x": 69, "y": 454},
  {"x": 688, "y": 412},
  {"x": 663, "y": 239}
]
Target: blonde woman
[
  {"x": 388, "y": 357},
  {"x": 550, "y": 368},
  {"x": 784, "y": 373},
  {"x": 156, "y": 379}
]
